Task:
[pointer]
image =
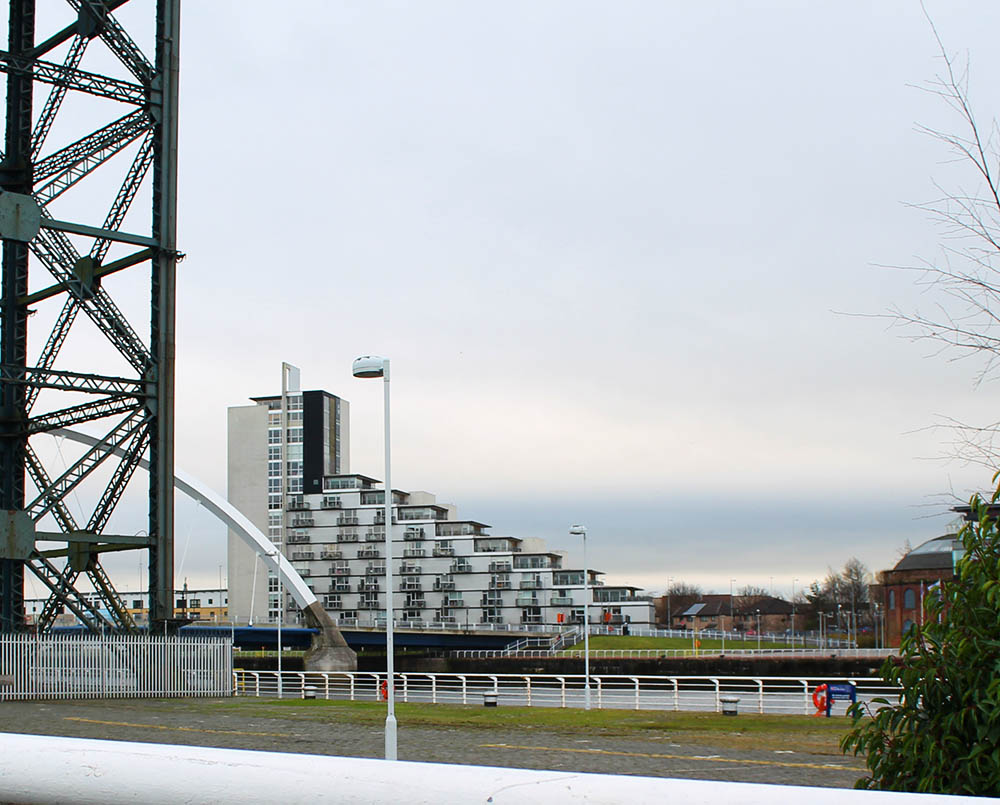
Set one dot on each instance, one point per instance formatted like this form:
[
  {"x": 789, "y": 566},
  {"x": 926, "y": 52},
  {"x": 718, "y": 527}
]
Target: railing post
[
  {"x": 600, "y": 692},
  {"x": 465, "y": 698},
  {"x": 677, "y": 695},
  {"x": 636, "y": 680},
  {"x": 718, "y": 703},
  {"x": 562, "y": 690},
  {"x": 527, "y": 686},
  {"x": 805, "y": 696},
  {"x": 433, "y": 688},
  {"x": 760, "y": 695}
]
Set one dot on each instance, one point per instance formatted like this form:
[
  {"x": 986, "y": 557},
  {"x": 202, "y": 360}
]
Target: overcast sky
[{"x": 605, "y": 246}]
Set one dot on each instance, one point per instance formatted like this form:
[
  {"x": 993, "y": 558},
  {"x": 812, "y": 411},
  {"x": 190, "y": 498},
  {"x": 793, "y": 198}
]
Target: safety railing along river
[
  {"x": 665, "y": 653},
  {"x": 760, "y": 694}
]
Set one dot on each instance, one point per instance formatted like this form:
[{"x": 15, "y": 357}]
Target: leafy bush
[{"x": 943, "y": 735}]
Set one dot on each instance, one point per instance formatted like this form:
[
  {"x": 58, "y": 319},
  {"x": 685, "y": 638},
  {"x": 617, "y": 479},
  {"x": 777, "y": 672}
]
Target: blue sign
[{"x": 840, "y": 692}]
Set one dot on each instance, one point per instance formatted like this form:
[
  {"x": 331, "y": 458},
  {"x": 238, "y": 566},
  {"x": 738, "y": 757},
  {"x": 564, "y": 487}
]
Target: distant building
[
  {"x": 288, "y": 459},
  {"x": 206, "y": 606},
  {"x": 730, "y": 613},
  {"x": 916, "y": 575}
]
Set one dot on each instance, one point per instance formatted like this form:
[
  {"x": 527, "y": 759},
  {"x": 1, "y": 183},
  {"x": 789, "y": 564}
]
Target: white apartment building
[{"x": 288, "y": 473}]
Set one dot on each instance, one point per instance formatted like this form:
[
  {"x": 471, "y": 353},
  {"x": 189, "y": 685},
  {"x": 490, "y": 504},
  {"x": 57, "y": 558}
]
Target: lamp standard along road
[
  {"x": 373, "y": 366},
  {"x": 581, "y": 531}
]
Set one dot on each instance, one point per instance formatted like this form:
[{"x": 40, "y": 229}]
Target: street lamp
[
  {"x": 581, "y": 531},
  {"x": 276, "y": 555},
  {"x": 732, "y": 619},
  {"x": 670, "y": 623},
  {"x": 758, "y": 630},
  {"x": 793, "y": 614},
  {"x": 373, "y": 366}
]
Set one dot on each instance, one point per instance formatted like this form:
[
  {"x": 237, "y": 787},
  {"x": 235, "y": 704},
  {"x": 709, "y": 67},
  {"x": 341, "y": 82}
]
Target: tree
[
  {"x": 966, "y": 271},
  {"x": 942, "y": 734}
]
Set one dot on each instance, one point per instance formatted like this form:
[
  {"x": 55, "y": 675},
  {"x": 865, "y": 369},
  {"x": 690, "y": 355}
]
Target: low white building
[{"x": 446, "y": 570}]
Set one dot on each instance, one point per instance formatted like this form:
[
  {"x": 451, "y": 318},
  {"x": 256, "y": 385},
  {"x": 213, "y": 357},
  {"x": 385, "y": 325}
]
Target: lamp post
[
  {"x": 374, "y": 366},
  {"x": 670, "y": 622},
  {"x": 732, "y": 619},
  {"x": 758, "y": 630},
  {"x": 793, "y": 614},
  {"x": 581, "y": 531},
  {"x": 276, "y": 554}
]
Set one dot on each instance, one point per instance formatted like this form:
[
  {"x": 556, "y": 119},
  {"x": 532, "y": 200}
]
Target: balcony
[
  {"x": 375, "y": 570},
  {"x": 410, "y": 586},
  {"x": 453, "y": 601},
  {"x": 374, "y": 536},
  {"x": 303, "y": 571},
  {"x": 347, "y": 519},
  {"x": 500, "y": 584},
  {"x": 460, "y": 567},
  {"x": 441, "y": 551},
  {"x": 414, "y": 553},
  {"x": 339, "y": 570},
  {"x": 298, "y": 505},
  {"x": 413, "y": 534},
  {"x": 530, "y": 584},
  {"x": 326, "y": 554},
  {"x": 444, "y": 584},
  {"x": 367, "y": 585},
  {"x": 303, "y": 556},
  {"x": 447, "y": 620},
  {"x": 340, "y": 587},
  {"x": 380, "y": 518},
  {"x": 561, "y": 600},
  {"x": 526, "y": 618},
  {"x": 409, "y": 570},
  {"x": 491, "y": 601},
  {"x": 527, "y": 600},
  {"x": 350, "y": 536},
  {"x": 331, "y": 503},
  {"x": 303, "y": 522},
  {"x": 500, "y": 567},
  {"x": 298, "y": 536},
  {"x": 369, "y": 605},
  {"x": 369, "y": 553}
]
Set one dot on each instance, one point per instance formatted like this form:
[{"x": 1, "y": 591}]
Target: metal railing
[
  {"x": 758, "y": 694},
  {"x": 84, "y": 666},
  {"x": 520, "y": 650}
]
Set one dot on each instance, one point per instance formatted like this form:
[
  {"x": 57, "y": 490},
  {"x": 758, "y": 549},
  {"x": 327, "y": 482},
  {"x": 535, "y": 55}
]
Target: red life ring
[
  {"x": 819, "y": 697},
  {"x": 384, "y": 690}
]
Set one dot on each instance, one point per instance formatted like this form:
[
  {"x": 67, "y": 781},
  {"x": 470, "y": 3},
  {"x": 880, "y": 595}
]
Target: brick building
[{"x": 904, "y": 587}]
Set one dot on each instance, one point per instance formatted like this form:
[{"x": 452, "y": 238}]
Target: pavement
[{"x": 656, "y": 755}]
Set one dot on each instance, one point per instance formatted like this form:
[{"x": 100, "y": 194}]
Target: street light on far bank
[
  {"x": 581, "y": 531},
  {"x": 374, "y": 366}
]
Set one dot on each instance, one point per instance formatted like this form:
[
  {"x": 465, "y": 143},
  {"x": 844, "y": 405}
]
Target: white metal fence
[
  {"x": 758, "y": 694},
  {"x": 664, "y": 653},
  {"x": 85, "y": 666}
]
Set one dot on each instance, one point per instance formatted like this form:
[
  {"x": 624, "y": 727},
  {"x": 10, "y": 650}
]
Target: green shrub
[{"x": 943, "y": 734}]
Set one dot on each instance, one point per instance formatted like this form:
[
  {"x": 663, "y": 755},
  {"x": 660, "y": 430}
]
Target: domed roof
[{"x": 937, "y": 553}]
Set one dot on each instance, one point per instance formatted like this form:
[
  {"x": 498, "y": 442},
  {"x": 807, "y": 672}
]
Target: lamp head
[
  {"x": 369, "y": 366},
  {"x": 578, "y": 530}
]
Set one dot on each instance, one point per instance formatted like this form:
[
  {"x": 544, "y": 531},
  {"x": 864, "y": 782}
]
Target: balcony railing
[
  {"x": 375, "y": 570},
  {"x": 339, "y": 570},
  {"x": 367, "y": 585},
  {"x": 409, "y": 570},
  {"x": 340, "y": 587},
  {"x": 500, "y": 584},
  {"x": 298, "y": 505},
  {"x": 347, "y": 519},
  {"x": 350, "y": 536},
  {"x": 298, "y": 536},
  {"x": 460, "y": 567},
  {"x": 369, "y": 553},
  {"x": 453, "y": 601},
  {"x": 331, "y": 555},
  {"x": 374, "y": 536},
  {"x": 530, "y": 584},
  {"x": 410, "y": 586},
  {"x": 487, "y": 601},
  {"x": 439, "y": 551},
  {"x": 368, "y": 605},
  {"x": 303, "y": 571},
  {"x": 526, "y": 618},
  {"x": 414, "y": 553},
  {"x": 330, "y": 504},
  {"x": 303, "y": 556},
  {"x": 500, "y": 567},
  {"x": 560, "y": 600},
  {"x": 444, "y": 584},
  {"x": 303, "y": 522},
  {"x": 413, "y": 533},
  {"x": 525, "y": 600}
]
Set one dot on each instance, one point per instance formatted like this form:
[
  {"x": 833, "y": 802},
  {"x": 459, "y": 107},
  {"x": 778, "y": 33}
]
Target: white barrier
[
  {"x": 758, "y": 694},
  {"x": 43, "y": 770}
]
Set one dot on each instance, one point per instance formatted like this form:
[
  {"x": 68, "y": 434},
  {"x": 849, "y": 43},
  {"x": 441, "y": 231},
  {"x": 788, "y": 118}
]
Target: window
[
  {"x": 195, "y": 603},
  {"x": 294, "y": 467},
  {"x": 294, "y": 402},
  {"x": 274, "y": 435},
  {"x": 273, "y": 469},
  {"x": 210, "y": 602},
  {"x": 274, "y": 417},
  {"x": 892, "y": 599},
  {"x": 294, "y": 435},
  {"x": 274, "y": 500},
  {"x": 909, "y": 599},
  {"x": 295, "y": 485},
  {"x": 274, "y": 485},
  {"x": 273, "y": 453},
  {"x": 137, "y": 605},
  {"x": 181, "y": 603},
  {"x": 294, "y": 416}
]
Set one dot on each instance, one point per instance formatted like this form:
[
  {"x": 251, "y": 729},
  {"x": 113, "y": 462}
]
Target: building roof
[{"x": 935, "y": 554}]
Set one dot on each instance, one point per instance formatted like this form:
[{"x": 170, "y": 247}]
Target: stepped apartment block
[{"x": 330, "y": 524}]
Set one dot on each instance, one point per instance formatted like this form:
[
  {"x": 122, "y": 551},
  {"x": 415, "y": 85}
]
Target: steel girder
[{"x": 134, "y": 407}]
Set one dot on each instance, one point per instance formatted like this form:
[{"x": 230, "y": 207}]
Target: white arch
[{"x": 231, "y": 516}]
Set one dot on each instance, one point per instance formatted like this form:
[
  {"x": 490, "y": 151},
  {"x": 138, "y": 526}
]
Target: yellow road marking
[
  {"x": 784, "y": 763},
  {"x": 179, "y": 729}
]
